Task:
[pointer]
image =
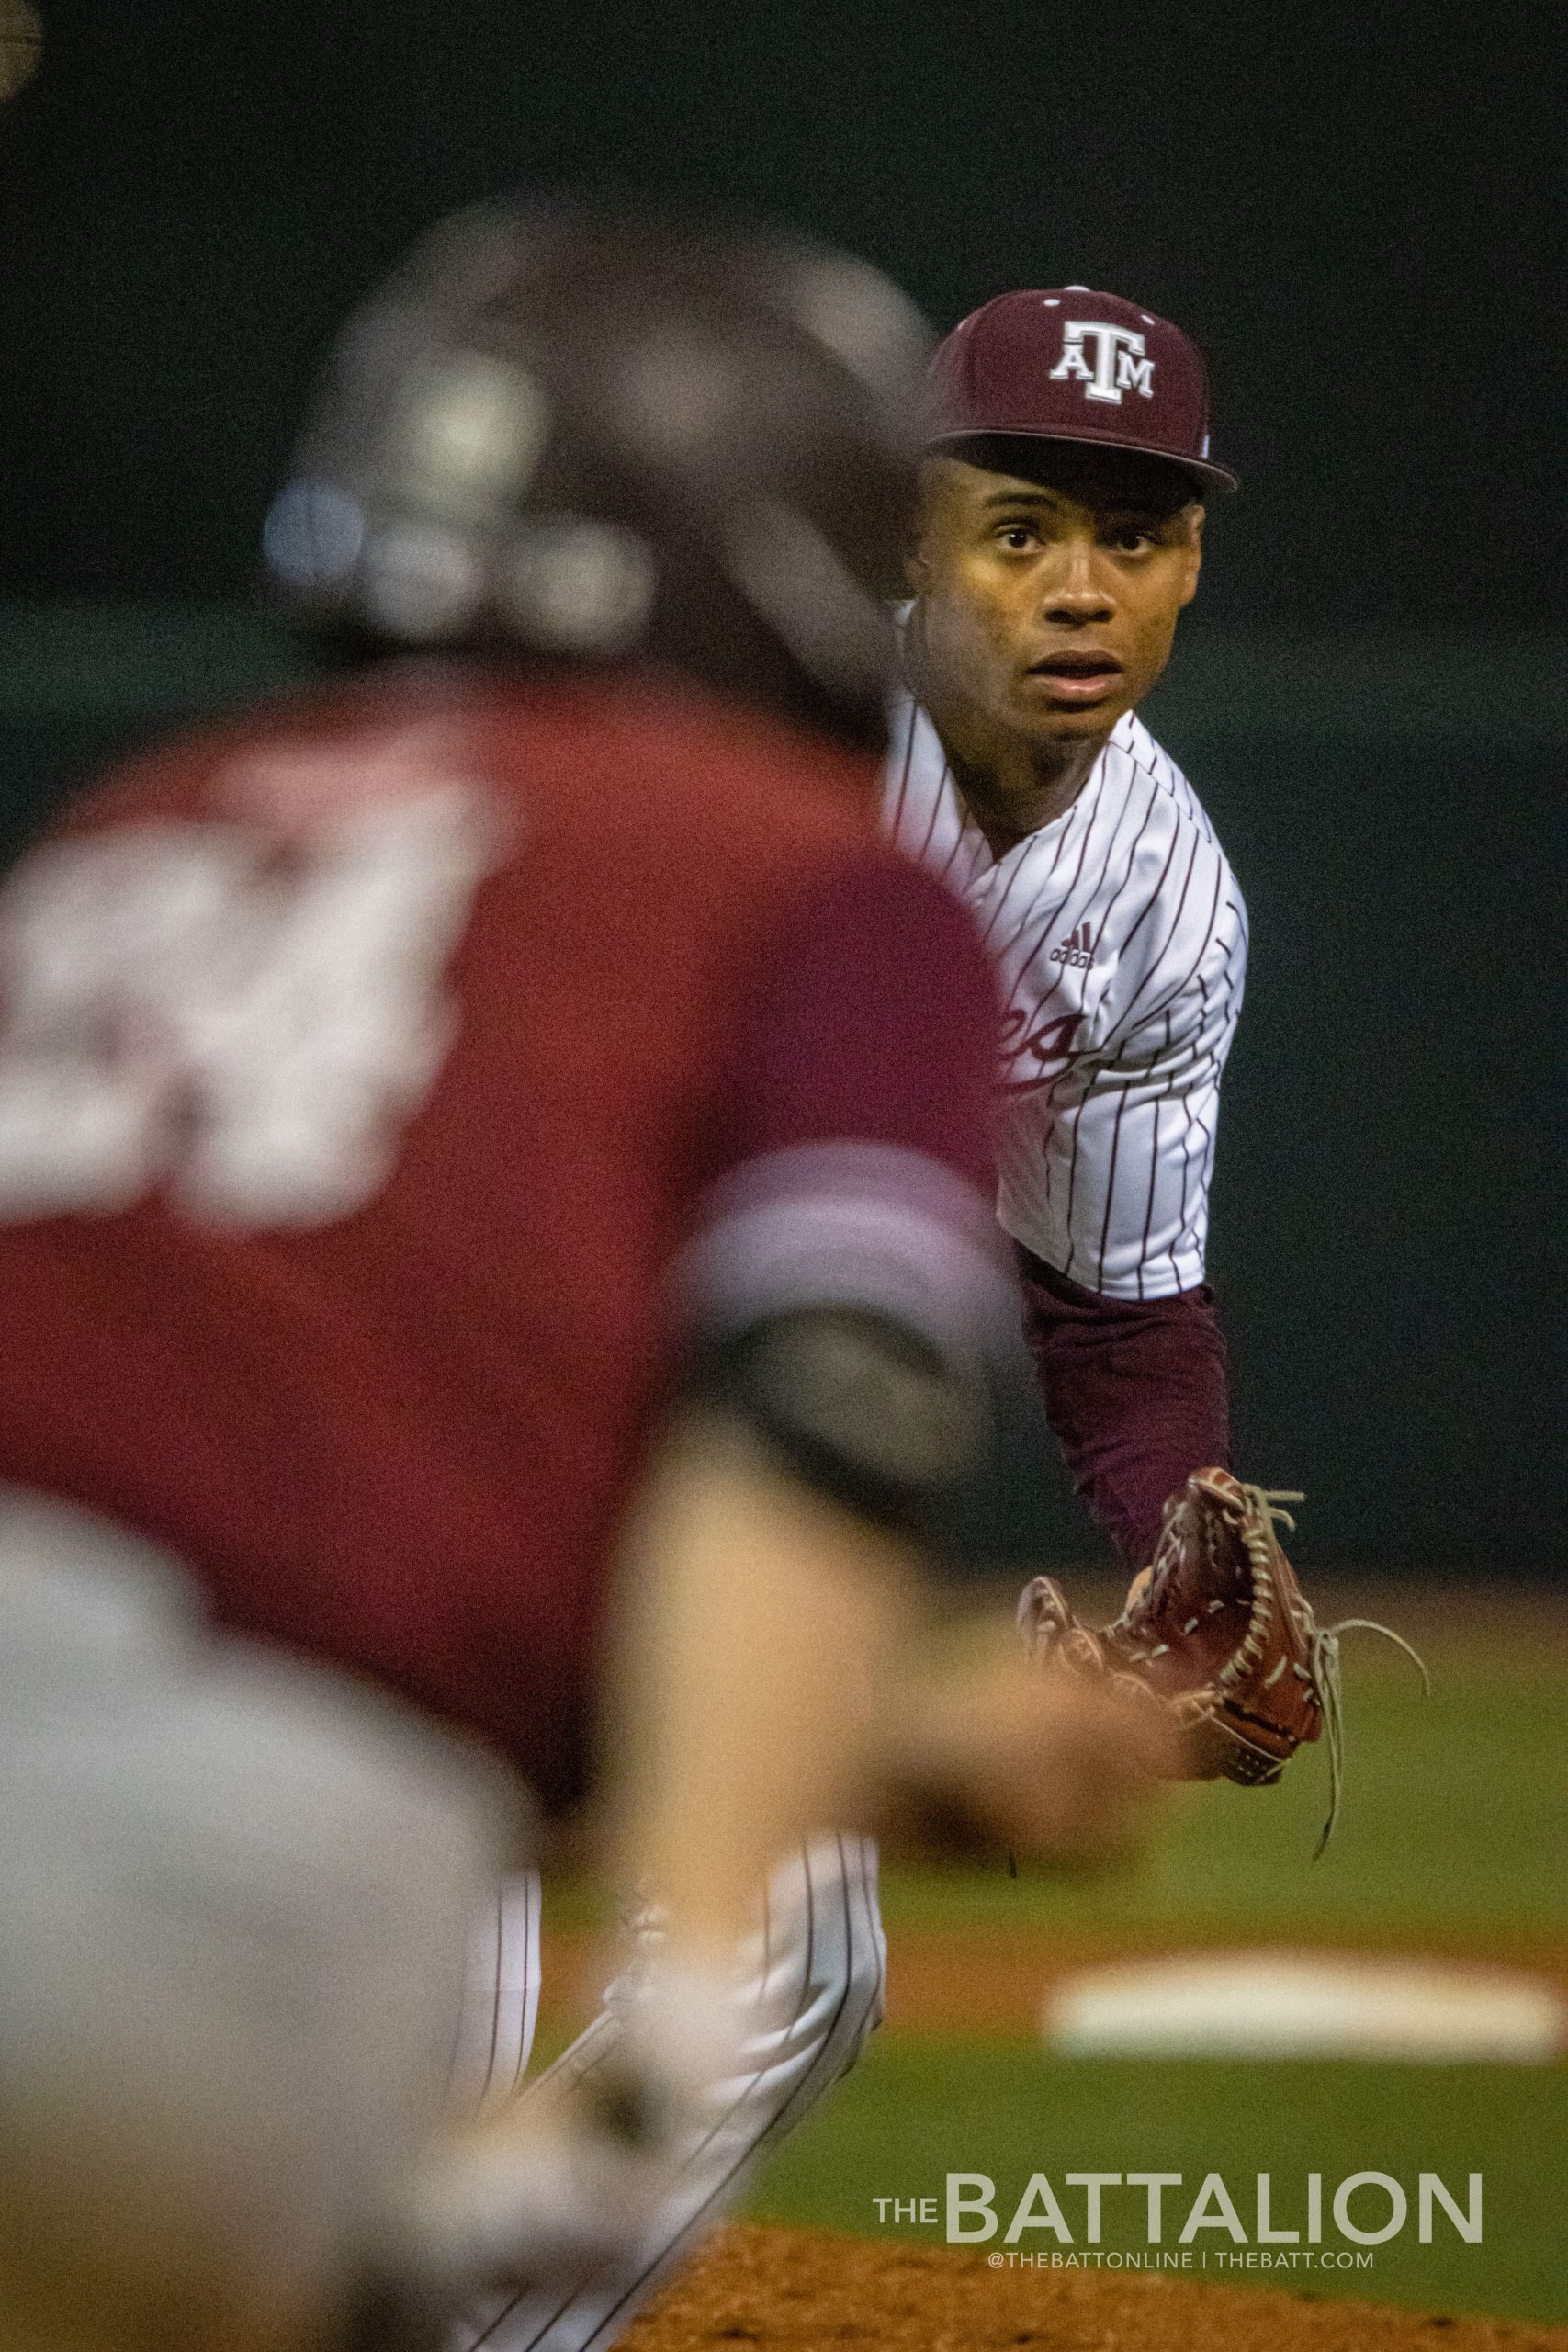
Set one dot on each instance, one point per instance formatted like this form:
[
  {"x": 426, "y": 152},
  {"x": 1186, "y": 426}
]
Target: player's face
[{"x": 1049, "y": 597}]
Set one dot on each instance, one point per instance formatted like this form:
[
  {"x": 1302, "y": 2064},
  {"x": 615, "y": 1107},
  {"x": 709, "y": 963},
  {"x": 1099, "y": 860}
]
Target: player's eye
[
  {"x": 1131, "y": 538},
  {"x": 1017, "y": 538}
]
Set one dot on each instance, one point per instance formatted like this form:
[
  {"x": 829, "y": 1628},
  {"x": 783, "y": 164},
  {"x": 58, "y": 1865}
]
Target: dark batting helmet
[{"x": 560, "y": 432}]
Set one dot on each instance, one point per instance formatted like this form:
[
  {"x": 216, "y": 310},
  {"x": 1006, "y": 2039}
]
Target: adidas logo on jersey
[{"x": 1076, "y": 948}]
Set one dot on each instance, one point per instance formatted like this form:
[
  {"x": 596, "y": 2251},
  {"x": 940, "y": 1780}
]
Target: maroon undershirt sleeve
[{"x": 1136, "y": 1391}]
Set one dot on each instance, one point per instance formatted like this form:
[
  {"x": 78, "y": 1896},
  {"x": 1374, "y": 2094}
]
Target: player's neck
[
  {"x": 1012, "y": 789},
  {"x": 1009, "y": 787}
]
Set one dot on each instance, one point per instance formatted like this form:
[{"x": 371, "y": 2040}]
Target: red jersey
[{"x": 363, "y": 1069}]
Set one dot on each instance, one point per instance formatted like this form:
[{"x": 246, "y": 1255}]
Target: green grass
[
  {"x": 1455, "y": 1823},
  {"x": 915, "y": 2110},
  {"x": 1453, "y": 1832}
]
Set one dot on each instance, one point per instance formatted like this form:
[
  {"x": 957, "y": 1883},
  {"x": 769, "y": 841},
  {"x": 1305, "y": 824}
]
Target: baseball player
[
  {"x": 1067, "y": 462},
  {"x": 1063, "y": 494},
  {"x": 493, "y": 1179},
  {"x": 1059, "y": 537}
]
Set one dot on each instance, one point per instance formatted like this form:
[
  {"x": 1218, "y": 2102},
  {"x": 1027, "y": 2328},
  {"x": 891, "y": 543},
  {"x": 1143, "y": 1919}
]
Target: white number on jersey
[{"x": 190, "y": 1003}]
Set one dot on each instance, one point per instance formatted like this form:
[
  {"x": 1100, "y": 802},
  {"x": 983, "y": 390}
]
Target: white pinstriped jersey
[{"x": 1119, "y": 935}]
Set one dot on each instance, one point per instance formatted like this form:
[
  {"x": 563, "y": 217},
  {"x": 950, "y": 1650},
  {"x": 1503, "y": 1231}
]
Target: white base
[{"x": 1306, "y": 2005}]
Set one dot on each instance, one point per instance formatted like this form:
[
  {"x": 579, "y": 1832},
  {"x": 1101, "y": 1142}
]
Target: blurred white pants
[
  {"x": 818, "y": 1968},
  {"x": 233, "y": 1892}
]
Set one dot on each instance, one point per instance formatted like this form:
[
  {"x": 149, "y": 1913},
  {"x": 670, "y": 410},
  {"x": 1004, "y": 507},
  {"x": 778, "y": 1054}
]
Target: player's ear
[
  {"x": 917, "y": 568},
  {"x": 1194, "y": 516},
  {"x": 917, "y": 551}
]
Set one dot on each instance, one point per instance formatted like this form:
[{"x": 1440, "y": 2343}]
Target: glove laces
[
  {"x": 1326, "y": 1675},
  {"x": 1326, "y": 1665}
]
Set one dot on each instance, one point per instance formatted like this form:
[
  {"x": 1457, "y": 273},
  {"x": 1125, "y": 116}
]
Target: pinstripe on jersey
[{"x": 1120, "y": 936}]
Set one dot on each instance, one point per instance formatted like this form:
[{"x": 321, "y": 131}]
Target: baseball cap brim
[{"x": 1209, "y": 475}]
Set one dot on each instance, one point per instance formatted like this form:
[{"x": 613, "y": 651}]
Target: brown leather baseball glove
[{"x": 1218, "y": 1627}]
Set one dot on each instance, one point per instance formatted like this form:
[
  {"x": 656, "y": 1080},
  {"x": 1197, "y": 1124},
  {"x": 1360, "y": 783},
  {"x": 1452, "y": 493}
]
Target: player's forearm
[
  {"x": 757, "y": 1623},
  {"x": 1136, "y": 1392},
  {"x": 774, "y": 1675}
]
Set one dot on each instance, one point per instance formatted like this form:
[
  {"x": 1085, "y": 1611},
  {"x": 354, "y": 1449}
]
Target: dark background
[{"x": 1347, "y": 208}]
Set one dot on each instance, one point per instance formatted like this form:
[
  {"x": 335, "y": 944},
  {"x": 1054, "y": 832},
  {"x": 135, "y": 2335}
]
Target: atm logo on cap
[{"x": 1119, "y": 363}]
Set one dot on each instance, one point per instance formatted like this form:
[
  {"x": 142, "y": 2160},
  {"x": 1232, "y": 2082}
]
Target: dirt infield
[
  {"x": 799, "y": 2290},
  {"x": 947, "y": 1980}
]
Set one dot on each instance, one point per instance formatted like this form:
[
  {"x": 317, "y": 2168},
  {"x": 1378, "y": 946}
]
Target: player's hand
[
  {"x": 528, "y": 2199},
  {"x": 1049, "y": 1765},
  {"x": 568, "y": 2177}
]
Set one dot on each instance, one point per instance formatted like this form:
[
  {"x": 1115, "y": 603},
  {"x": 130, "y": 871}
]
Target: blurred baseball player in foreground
[{"x": 494, "y": 1180}]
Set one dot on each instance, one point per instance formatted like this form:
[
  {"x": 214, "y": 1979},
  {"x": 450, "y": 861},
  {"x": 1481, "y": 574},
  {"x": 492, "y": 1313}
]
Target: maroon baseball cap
[{"x": 1067, "y": 364}]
